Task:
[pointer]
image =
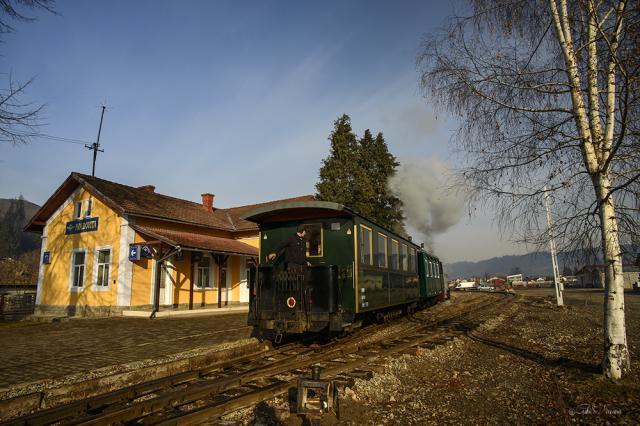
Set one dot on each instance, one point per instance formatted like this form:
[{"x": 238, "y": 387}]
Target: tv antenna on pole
[{"x": 95, "y": 147}]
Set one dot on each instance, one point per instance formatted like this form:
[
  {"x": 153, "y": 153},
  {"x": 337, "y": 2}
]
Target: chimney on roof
[
  {"x": 148, "y": 188},
  {"x": 207, "y": 201}
]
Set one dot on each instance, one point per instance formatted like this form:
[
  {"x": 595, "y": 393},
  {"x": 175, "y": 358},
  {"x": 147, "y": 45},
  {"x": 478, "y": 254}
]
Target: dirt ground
[{"x": 531, "y": 363}]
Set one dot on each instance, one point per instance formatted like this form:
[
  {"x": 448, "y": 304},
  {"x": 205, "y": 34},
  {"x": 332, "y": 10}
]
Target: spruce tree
[
  {"x": 383, "y": 166},
  {"x": 356, "y": 173},
  {"x": 337, "y": 174},
  {"x": 11, "y": 229}
]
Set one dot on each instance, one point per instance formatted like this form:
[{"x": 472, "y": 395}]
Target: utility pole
[
  {"x": 552, "y": 245},
  {"x": 95, "y": 147}
]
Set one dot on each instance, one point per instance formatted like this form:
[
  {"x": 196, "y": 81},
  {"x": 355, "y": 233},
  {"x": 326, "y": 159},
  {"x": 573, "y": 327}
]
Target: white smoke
[{"x": 431, "y": 206}]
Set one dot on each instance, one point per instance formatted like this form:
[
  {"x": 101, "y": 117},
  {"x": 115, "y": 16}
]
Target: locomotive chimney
[{"x": 207, "y": 201}]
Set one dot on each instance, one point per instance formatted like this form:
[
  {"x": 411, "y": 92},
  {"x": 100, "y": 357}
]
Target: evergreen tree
[
  {"x": 338, "y": 171},
  {"x": 356, "y": 173},
  {"x": 383, "y": 166},
  {"x": 11, "y": 228}
]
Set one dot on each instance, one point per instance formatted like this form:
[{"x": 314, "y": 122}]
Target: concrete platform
[
  {"x": 183, "y": 313},
  {"x": 33, "y": 351}
]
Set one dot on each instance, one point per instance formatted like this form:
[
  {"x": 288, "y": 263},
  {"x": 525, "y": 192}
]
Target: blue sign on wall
[
  {"x": 82, "y": 225},
  {"x": 46, "y": 258},
  {"x": 134, "y": 252}
]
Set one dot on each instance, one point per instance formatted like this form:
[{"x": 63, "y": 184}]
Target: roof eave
[
  {"x": 253, "y": 215},
  {"x": 183, "y": 222}
]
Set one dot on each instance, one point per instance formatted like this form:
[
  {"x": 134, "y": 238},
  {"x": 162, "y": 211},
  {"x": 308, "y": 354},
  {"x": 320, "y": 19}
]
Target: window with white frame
[
  {"x": 78, "y": 260},
  {"x": 77, "y": 212},
  {"x": 103, "y": 259},
  {"x": 203, "y": 279},
  {"x": 87, "y": 210}
]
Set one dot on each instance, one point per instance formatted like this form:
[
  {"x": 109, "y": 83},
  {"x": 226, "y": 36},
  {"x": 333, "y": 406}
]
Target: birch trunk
[{"x": 616, "y": 360}]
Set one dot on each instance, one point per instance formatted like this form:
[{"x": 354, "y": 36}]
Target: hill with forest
[
  {"x": 533, "y": 265},
  {"x": 15, "y": 213}
]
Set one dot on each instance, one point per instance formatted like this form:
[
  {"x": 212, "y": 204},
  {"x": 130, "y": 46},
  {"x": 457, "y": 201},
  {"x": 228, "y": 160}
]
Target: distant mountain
[
  {"x": 537, "y": 264},
  {"x": 531, "y": 264}
]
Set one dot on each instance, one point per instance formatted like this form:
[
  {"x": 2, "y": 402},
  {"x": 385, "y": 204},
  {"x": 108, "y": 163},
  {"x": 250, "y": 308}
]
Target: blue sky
[{"x": 234, "y": 98}]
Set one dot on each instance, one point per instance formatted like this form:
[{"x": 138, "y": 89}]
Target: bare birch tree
[{"x": 547, "y": 95}]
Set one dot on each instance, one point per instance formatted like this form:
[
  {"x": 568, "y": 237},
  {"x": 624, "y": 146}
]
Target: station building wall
[
  {"x": 56, "y": 291},
  {"x": 130, "y": 284}
]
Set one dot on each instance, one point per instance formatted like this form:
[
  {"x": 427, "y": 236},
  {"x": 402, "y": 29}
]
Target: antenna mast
[{"x": 95, "y": 147}]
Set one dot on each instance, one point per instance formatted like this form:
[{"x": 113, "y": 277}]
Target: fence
[{"x": 16, "y": 306}]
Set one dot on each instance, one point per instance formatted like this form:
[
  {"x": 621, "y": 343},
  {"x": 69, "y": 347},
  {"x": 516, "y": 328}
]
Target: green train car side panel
[
  {"x": 379, "y": 287},
  {"x": 430, "y": 284}
]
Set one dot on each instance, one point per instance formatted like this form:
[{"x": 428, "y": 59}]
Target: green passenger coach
[{"x": 358, "y": 271}]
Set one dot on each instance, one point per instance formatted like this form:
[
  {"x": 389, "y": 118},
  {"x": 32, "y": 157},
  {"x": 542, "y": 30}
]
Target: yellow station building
[{"x": 109, "y": 248}]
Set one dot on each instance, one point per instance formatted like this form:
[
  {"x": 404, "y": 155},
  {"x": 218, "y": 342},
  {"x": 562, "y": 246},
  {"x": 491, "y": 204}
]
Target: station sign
[{"x": 89, "y": 224}]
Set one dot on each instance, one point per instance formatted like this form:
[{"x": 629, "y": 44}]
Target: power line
[
  {"x": 52, "y": 138},
  {"x": 61, "y": 139}
]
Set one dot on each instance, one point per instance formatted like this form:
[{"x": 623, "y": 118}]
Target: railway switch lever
[{"x": 317, "y": 397}]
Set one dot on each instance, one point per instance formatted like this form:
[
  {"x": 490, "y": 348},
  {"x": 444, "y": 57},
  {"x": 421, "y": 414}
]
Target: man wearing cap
[{"x": 295, "y": 251}]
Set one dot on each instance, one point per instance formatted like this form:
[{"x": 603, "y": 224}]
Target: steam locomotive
[{"x": 359, "y": 271}]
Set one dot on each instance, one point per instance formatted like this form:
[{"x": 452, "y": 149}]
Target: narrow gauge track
[{"x": 194, "y": 396}]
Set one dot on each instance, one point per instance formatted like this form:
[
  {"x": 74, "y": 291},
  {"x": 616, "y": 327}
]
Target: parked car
[{"x": 466, "y": 285}]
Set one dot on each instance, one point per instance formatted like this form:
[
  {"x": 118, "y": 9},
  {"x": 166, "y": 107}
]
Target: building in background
[
  {"x": 109, "y": 247},
  {"x": 592, "y": 276}
]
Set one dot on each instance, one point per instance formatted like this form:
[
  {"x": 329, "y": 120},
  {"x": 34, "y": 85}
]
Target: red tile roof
[
  {"x": 133, "y": 201},
  {"x": 191, "y": 240}
]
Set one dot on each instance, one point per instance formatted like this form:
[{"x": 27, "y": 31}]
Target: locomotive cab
[{"x": 310, "y": 299}]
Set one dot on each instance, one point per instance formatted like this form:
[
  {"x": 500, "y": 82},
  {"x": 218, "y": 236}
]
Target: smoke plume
[{"x": 430, "y": 205}]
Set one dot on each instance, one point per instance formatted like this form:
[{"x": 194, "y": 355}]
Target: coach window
[
  {"x": 412, "y": 259},
  {"x": 381, "y": 251},
  {"x": 314, "y": 241},
  {"x": 428, "y": 263},
  {"x": 366, "y": 245},
  {"x": 393, "y": 257},
  {"x": 403, "y": 257}
]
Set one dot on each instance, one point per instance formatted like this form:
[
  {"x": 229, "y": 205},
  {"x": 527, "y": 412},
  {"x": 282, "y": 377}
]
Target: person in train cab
[{"x": 295, "y": 251}]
